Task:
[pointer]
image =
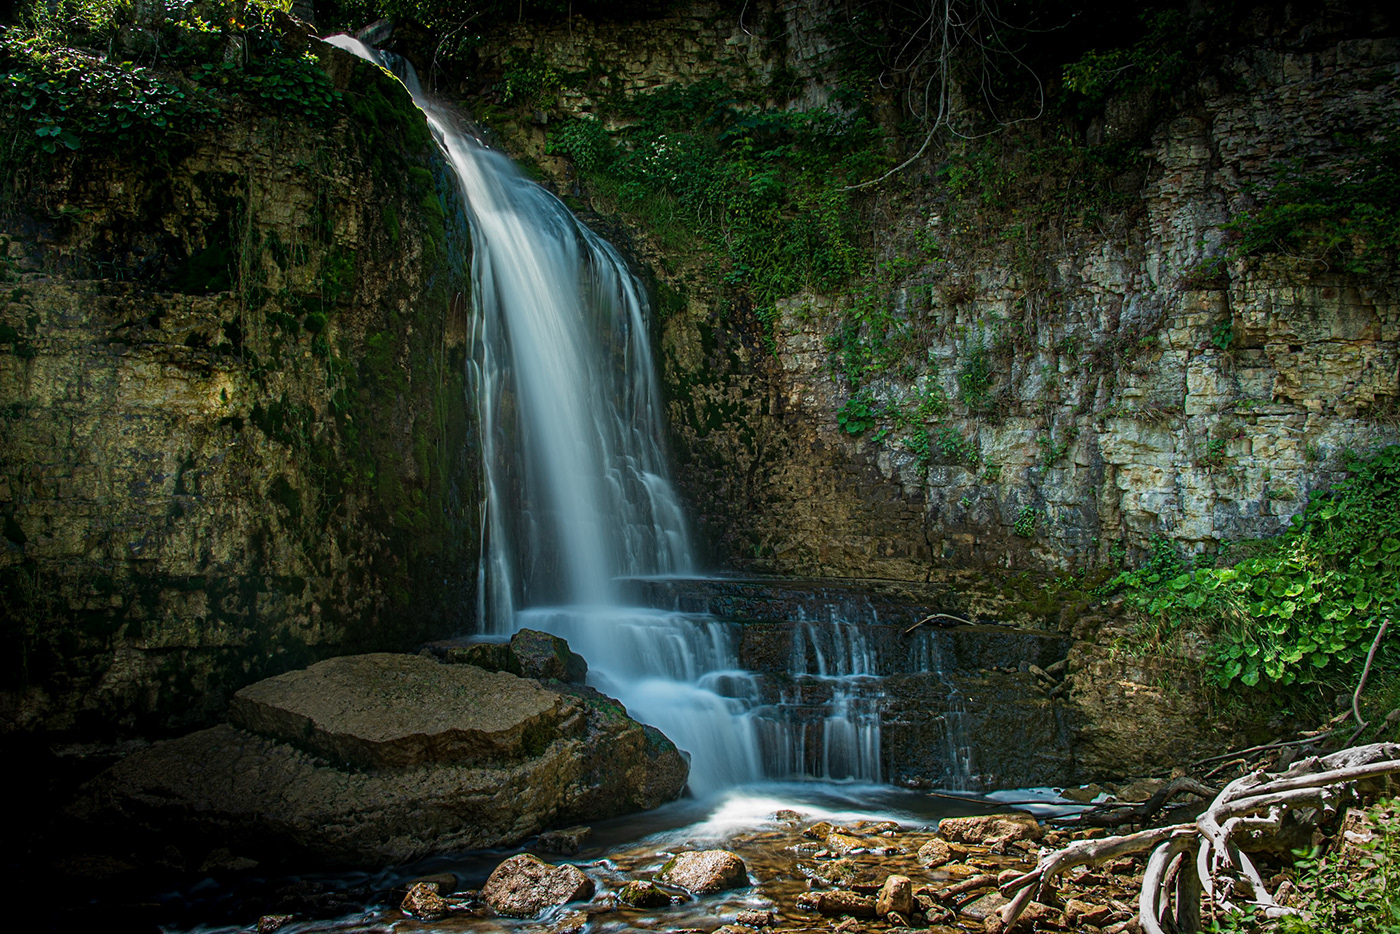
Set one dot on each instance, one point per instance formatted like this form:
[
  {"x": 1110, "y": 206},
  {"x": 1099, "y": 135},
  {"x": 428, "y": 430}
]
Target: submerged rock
[
  {"x": 442, "y": 757},
  {"x": 525, "y": 885},
  {"x": 565, "y": 842},
  {"x": 642, "y": 894},
  {"x": 704, "y": 871}
]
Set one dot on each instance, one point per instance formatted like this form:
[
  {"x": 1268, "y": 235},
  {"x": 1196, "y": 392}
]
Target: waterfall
[{"x": 576, "y": 493}]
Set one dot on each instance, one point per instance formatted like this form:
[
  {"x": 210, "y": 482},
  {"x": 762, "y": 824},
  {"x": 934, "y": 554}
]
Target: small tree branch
[{"x": 1365, "y": 673}]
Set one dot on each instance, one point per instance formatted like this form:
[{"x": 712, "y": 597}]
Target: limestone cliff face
[
  {"x": 1126, "y": 394},
  {"x": 234, "y": 435}
]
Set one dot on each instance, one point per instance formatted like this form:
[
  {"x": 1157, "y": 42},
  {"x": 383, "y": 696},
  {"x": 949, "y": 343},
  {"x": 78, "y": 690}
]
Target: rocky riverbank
[{"x": 789, "y": 874}]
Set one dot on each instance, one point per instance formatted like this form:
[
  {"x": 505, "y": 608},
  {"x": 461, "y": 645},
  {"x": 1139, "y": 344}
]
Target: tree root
[{"x": 1253, "y": 804}]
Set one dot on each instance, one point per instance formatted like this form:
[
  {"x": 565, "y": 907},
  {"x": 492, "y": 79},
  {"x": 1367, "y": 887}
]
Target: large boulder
[
  {"x": 701, "y": 872},
  {"x": 524, "y": 885},
  {"x": 386, "y": 711},
  {"x": 387, "y": 758}
]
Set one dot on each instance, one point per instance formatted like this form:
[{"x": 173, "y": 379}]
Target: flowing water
[{"x": 577, "y": 495}]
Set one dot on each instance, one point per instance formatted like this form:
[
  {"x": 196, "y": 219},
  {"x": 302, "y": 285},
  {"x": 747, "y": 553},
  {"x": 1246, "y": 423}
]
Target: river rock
[
  {"x": 839, "y": 902},
  {"x": 844, "y": 843},
  {"x": 985, "y": 907},
  {"x": 488, "y": 760},
  {"x": 525, "y": 885},
  {"x": 896, "y": 895},
  {"x": 701, "y": 872},
  {"x": 982, "y": 828},
  {"x": 642, "y": 894},
  {"x": 756, "y": 919},
  {"x": 565, "y": 842},
  {"x": 424, "y": 902},
  {"x": 935, "y": 853}
]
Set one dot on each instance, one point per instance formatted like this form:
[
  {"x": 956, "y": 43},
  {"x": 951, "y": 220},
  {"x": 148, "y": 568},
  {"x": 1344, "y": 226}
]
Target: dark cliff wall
[{"x": 234, "y": 435}]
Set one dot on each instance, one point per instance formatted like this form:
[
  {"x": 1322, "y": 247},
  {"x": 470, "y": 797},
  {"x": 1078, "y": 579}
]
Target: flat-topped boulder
[
  {"x": 392, "y": 711},
  {"x": 369, "y": 760}
]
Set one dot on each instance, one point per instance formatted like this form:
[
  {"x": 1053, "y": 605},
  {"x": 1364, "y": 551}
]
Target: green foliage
[
  {"x": 859, "y": 413},
  {"x": 1154, "y": 62},
  {"x": 1025, "y": 523},
  {"x": 1348, "y": 210},
  {"x": 529, "y": 80},
  {"x": 63, "y": 99},
  {"x": 975, "y": 376},
  {"x": 761, "y": 188},
  {"x": 291, "y": 84},
  {"x": 955, "y": 448},
  {"x": 1355, "y": 888},
  {"x": 585, "y": 142},
  {"x": 1304, "y": 607}
]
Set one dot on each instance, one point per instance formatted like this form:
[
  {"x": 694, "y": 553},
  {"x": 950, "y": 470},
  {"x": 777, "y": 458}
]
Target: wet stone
[
  {"x": 566, "y": 842},
  {"x": 524, "y": 885},
  {"x": 980, "y": 829},
  {"x": 985, "y": 907},
  {"x": 642, "y": 894},
  {"x": 757, "y": 919},
  {"x": 704, "y": 871},
  {"x": 424, "y": 902}
]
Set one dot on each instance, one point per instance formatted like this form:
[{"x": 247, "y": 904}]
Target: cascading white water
[{"x": 576, "y": 492}]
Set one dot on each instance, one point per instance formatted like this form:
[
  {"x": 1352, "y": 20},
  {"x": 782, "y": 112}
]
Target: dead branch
[
  {"x": 1079, "y": 853},
  {"x": 1255, "y": 802},
  {"x": 1365, "y": 673},
  {"x": 939, "y": 616}
]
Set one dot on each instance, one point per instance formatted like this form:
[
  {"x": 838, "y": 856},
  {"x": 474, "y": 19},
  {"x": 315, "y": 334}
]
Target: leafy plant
[
  {"x": 1155, "y": 61},
  {"x": 859, "y": 413},
  {"x": 529, "y": 80},
  {"x": 975, "y": 376},
  {"x": 1355, "y": 888},
  {"x": 1303, "y": 608},
  {"x": 761, "y": 188},
  {"x": 1025, "y": 523},
  {"x": 64, "y": 99}
]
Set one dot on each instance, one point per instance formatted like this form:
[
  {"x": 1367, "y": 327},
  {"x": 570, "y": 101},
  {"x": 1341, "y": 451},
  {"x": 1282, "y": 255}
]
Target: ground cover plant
[{"x": 1299, "y": 611}]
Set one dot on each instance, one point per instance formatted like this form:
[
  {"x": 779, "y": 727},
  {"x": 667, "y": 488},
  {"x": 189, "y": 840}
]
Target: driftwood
[{"x": 1255, "y": 803}]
